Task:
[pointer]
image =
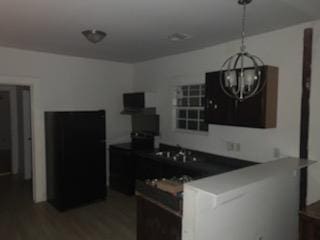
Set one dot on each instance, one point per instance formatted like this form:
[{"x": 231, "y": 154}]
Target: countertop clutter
[
  {"x": 166, "y": 193},
  {"x": 128, "y": 165}
]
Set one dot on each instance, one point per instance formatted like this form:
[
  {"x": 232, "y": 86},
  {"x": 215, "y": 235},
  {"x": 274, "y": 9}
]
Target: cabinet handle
[{"x": 209, "y": 102}]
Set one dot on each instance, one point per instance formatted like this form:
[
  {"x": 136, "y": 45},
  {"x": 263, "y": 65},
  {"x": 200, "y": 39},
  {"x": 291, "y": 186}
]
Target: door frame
[
  {"x": 7, "y": 81},
  {"x": 27, "y": 132}
]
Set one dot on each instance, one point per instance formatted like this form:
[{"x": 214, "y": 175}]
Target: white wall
[
  {"x": 69, "y": 83},
  {"x": 5, "y": 139},
  {"x": 66, "y": 83},
  {"x": 282, "y": 48},
  {"x": 266, "y": 209}
]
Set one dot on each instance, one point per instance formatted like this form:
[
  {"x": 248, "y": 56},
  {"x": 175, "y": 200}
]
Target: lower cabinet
[
  {"x": 155, "y": 222},
  {"x": 122, "y": 170}
]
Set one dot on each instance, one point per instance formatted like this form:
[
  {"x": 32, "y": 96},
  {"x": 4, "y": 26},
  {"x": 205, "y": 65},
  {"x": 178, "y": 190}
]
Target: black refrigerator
[{"x": 75, "y": 158}]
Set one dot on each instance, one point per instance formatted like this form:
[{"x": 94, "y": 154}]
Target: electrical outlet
[
  {"x": 237, "y": 147},
  {"x": 230, "y": 146},
  {"x": 276, "y": 153}
]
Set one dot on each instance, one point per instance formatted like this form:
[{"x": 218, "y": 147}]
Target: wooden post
[{"x": 305, "y": 111}]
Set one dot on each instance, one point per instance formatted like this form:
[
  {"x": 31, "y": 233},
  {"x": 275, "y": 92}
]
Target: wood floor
[{"x": 20, "y": 219}]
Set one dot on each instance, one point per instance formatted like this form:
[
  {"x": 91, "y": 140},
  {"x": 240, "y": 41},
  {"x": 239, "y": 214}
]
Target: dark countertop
[
  {"x": 129, "y": 147},
  {"x": 206, "y": 167},
  {"x": 124, "y": 146},
  {"x": 208, "y": 164}
]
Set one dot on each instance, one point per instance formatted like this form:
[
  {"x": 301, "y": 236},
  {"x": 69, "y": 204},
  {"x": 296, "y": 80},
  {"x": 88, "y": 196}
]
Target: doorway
[
  {"x": 5, "y": 134},
  {"x": 15, "y": 131},
  {"x": 24, "y": 132}
]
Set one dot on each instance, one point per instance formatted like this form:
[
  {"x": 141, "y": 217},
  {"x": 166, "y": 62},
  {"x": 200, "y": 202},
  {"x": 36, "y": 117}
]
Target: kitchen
[
  {"x": 66, "y": 83},
  {"x": 156, "y": 176}
]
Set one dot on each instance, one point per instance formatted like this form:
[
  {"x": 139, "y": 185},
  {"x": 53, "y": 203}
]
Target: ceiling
[{"x": 138, "y": 29}]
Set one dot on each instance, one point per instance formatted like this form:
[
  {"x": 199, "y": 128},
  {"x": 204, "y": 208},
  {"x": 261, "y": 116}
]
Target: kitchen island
[
  {"x": 159, "y": 205},
  {"x": 258, "y": 202},
  {"x": 243, "y": 199}
]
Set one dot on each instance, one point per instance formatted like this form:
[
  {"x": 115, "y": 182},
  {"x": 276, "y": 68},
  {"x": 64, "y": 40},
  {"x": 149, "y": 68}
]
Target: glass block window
[{"x": 189, "y": 107}]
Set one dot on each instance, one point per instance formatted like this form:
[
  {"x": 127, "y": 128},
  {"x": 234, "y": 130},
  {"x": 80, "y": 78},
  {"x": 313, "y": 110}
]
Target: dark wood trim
[
  {"x": 270, "y": 100},
  {"x": 305, "y": 111}
]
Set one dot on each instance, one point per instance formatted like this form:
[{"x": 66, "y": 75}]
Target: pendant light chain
[
  {"x": 243, "y": 33},
  {"x": 241, "y": 80}
]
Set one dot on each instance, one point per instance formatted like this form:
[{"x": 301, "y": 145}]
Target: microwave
[
  {"x": 133, "y": 100},
  {"x": 137, "y": 102}
]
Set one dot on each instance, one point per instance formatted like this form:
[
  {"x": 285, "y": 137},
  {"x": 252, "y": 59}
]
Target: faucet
[{"x": 181, "y": 151}]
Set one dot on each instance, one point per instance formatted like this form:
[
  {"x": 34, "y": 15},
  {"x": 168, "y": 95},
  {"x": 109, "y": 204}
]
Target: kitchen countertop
[
  {"x": 128, "y": 147},
  {"x": 223, "y": 184},
  {"x": 208, "y": 164},
  {"x": 124, "y": 146}
]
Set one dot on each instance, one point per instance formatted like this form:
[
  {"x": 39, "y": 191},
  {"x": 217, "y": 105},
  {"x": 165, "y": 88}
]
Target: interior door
[{"x": 5, "y": 133}]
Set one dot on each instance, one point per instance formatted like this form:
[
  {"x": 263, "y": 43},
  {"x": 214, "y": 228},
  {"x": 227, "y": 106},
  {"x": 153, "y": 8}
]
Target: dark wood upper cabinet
[{"x": 259, "y": 111}]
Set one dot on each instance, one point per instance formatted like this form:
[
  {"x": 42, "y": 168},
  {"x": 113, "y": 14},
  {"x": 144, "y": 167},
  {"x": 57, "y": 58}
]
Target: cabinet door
[
  {"x": 309, "y": 228},
  {"x": 219, "y": 108},
  {"x": 259, "y": 111},
  {"x": 122, "y": 171},
  {"x": 249, "y": 113},
  {"x": 156, "y": 223}
]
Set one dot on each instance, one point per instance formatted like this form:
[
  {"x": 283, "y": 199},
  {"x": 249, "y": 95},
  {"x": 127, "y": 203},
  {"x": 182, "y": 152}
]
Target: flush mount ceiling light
[
  {"x": 94, "y": 36},
  {"x": 240, "y": 75},
  {"x": 176, "y": 37}
]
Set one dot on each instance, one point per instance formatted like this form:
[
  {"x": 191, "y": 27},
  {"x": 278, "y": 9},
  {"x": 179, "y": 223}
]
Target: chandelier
[{"x": 240, "y": 75}]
